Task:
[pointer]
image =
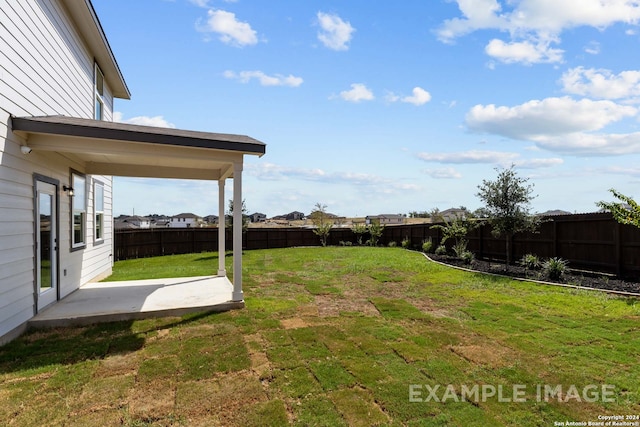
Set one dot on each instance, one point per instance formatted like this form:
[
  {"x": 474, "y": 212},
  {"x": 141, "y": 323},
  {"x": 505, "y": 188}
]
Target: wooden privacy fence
[
  {"x": 169, "y": 241},
  {"x": 594, "y": 242}
]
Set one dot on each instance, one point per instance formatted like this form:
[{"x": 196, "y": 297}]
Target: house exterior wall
[
  {"x": 384, "y": 219},
  {"x": 183, "y": 222},
  {"x": 45, "y": 69}
]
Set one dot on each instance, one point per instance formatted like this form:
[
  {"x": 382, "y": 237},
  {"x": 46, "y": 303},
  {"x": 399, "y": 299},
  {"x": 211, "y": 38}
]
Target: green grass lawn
[{"x": 337, "y": 337}]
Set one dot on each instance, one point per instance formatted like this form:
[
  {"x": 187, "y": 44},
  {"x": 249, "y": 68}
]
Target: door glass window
[{"x": 46, "y": 243}]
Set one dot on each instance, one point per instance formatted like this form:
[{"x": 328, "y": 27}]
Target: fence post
[
  {"x": 555, "y": 238},
  {"x": 617, "y": 240}
]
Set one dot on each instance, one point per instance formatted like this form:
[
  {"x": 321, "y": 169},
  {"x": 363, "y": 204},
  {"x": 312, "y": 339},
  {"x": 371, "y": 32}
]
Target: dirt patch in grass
[
  {"x": 259, "y": 361},
  {"x": 492, "y": 356},
  {"x": 332, "y": 306},
  {"x": 118, "y": 365},
  {"x": 308, "y": 310},
  {"x": 294, "y": 323},
  {"x": 219, "y": 401},
  {"x": 39, "y": 377},
  {"x": 152, "y": 401}
]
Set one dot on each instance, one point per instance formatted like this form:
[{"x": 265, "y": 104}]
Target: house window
[
  {"x": 98, "y": 207},
  {"x": 99, "y": 93},
  {"x": 79, "y": 207}
]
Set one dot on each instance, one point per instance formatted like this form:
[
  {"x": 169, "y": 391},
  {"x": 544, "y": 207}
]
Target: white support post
[
  {"x": 237, "y": 232},
  {"x": 222, "y": 228}
]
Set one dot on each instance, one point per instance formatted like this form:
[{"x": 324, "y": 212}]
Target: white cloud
[
  {"x": 620, "y": 170},
  {"x": 200, "y": 3},
  {"x": 273, "y": 172},
  {"x": 525, "y": 52},
  {"x": 592, "y": 48},
  {"x": 538, "y": 163},
  {"x": 536, "y": 119},
  {"x": 443, "y": 173},
  {"x": 472, "y": 156},
  {"x": 419, "y": 97},
  {"x": 561, "y": 125},
  {"x": 479, "y": 156},
  {"x": 543, "y": 18},
  {"x": 230, "y": 30},
  {"x": 157, "y": 121},
  {"x": 478, "y": 14},
  {"x": 334, "y": 32},
  {"x": 585, "y": 144},
  {"x": 264, "y": 79},
  {"x": 601, "y": 83},
  {"x": 391, "y": 97},
  {"x": 358, "y": 92},
  {"x": 535, "y": 23},
  {"x": 375, "y": 183}
]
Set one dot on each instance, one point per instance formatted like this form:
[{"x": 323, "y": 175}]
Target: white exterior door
[{"x": 46, "y": 244}]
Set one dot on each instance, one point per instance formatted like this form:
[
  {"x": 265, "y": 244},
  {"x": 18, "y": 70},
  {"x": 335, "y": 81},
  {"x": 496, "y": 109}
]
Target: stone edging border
[{"x": 562, "y": 285}]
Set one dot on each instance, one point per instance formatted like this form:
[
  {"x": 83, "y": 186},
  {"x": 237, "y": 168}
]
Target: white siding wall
[{"x": 45, "y": 69}]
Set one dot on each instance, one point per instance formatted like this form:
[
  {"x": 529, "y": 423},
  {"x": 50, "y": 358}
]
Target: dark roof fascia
[{"x": 97, "y": 129}]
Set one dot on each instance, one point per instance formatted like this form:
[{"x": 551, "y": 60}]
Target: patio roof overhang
[{"x": 120, "y": 149}]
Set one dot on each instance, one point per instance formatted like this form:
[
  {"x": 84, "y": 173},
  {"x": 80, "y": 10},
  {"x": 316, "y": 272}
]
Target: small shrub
[
  {"x": 346, "y": 243},
  {"x": 392, "y": 244},
  {"x": 427, "y": 246},
  {"x": 406, "y": 243},
  {"x": 530, "y": 262},
  {"x": 554, "y": 268},
  {"x": 467, "y": 257},
  {"x": 441, "y": 250},
  {"x": 460, "y": 248}
]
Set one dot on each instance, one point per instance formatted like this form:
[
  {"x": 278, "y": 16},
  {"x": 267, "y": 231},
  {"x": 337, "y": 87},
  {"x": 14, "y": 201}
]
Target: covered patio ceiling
[{"x": 120, "y": 149}]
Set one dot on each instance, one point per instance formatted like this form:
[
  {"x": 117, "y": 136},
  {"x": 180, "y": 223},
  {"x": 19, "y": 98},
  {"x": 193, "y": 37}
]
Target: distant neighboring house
[
  {"x": 453, "y": 213},
  {"x": 160, "y": 223},
  {"x": 132, "y": 222},
  {"x": 294, "y": 216},
  {"x": 257, "y": 217},
  {"x": 185, "y": 220},
  {"x": 385, "y": 219},
  {"x": 211, "y": 219}
]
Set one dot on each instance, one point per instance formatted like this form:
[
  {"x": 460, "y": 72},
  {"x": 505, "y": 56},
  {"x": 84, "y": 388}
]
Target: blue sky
[{"x": 386, "y": 107}]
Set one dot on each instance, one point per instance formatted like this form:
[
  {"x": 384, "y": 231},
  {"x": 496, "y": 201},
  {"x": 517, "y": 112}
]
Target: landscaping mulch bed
[{"x": 570, "y": 277}]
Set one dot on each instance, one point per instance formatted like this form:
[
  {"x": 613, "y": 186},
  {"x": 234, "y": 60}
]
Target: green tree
[
  {"x": 375, "y": 230},
  {"x": 508, "y": 202},
  {"x": 457, "y": 229},
  {"x": 625, "y": 212},
  {"x": 245, "y": 217},
  {"x": 322, "y": 222},
  {"x": 359, "y": 229}
]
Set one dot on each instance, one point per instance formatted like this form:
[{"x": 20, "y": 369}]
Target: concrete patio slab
[{"x": 138, "y": 299}]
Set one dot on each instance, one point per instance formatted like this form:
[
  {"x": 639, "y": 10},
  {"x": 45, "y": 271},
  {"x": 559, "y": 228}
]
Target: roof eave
[
  {"x": 96, "y": 129},
  {"x": 86, "y": 20}
]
